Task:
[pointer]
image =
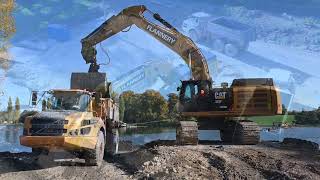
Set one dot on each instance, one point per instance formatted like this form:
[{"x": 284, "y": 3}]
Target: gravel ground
[
  {"x": 25, "y": 166},
  {"x": 164, "y": 160},
  {"x": 264, "y": 161}
]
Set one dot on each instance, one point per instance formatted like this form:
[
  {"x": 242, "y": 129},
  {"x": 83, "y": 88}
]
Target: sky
[{"x": 46, "y": 47}]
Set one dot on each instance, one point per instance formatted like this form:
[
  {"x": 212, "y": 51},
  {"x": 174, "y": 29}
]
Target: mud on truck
[{"x": 78, "y": 120}]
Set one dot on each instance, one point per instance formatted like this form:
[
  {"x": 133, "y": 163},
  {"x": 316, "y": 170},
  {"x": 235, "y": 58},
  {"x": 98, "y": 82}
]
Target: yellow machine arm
[{"x": 166, "y": 34}]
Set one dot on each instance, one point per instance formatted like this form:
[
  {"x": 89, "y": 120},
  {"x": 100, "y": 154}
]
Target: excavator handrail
[{"x": 166, "y": 34}]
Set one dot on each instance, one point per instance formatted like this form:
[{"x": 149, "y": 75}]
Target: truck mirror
[
  {"x": 34, "y": 98},
  {"x": 97, "y": 97}
]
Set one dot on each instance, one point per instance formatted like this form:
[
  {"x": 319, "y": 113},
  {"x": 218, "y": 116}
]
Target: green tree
[
  {"x": 7, "y": 29},
  {"x": 43, "y": 104},
  {"x": 115, "y": 96},
  {"x": 9, "y": 111},
  {"x": 318, "y": 112},
  {"x": 2, "y": 117},
  {"x": 9, "y": 107},
  {"x": 138, "y": 108},
  {"x": 17, "y": 110},
  {"x": 154, "y": 105},
  {"x": 307, "y": 117},
  {"x": 172, "y": 105},
  {"x": 129, "y": 113},
  {"x": 122, "y": 108},
  {"x": 284, "y": 109}
]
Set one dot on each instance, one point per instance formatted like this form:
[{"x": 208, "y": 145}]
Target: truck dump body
[
  {"x": 233, "y": 30},
  {"x": 88, "y": 81}
]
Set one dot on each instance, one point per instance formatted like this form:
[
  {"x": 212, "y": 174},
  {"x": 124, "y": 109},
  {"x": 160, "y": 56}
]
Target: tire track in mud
[{"x": 231, "y": 167}]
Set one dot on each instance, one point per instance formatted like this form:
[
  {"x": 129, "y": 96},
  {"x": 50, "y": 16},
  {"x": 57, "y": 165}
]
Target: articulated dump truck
[{"x": 77, "y": 120}]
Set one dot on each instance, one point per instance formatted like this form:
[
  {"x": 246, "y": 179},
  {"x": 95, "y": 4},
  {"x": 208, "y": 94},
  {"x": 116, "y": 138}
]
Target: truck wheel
[
  {"x": 95, "y": 157},
  {"x": 231, "y": 50},
  {"x": 218, "y": 45},
  {"x": 194, "y": 35}
]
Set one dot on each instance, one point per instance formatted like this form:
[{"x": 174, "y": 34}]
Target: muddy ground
[{"x": 164, "y": 160}]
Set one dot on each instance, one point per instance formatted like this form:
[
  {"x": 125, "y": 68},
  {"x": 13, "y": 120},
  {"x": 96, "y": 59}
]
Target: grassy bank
[{"x": 269, "y": 120}]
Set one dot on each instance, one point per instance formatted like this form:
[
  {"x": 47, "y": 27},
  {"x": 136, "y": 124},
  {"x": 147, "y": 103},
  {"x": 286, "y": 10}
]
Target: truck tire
[
  {"x": 218, "y": 45},
  {"x": 231, "y": 50},
  {"x": 194, "y": 35},
  {"x": 95, "y": 157}
]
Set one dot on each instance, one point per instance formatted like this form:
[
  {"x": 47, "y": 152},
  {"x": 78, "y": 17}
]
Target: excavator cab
[
  {"x": 245, "y": 97},
  {"x": 193, "y": 95}
]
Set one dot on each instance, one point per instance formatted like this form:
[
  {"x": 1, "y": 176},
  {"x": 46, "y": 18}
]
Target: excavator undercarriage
[{"x": 232, "y": 131}]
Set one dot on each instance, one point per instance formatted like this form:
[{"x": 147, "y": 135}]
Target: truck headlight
[
  {"x": 85, "y": 131},
  {"x": 73, "y": 132},
  {"x": 88, "y": 122}
]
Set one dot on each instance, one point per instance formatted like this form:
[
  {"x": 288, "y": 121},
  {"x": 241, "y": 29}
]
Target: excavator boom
[{"x": 166, "y": 34}]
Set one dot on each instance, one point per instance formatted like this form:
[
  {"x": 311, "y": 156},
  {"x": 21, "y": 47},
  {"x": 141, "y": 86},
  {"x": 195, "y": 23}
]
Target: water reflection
[
  {"x": 306, "y": 133},
  {"x": 128, "y": 139},
  {"x": 143, "y": 135},
  {"x": 9, "y": 139}
]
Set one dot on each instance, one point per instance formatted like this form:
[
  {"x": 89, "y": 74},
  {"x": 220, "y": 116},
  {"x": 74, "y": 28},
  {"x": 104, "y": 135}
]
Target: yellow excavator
[{"x": 224, "y": 108}]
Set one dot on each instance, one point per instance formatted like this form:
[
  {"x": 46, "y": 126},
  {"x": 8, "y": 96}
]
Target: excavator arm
[{"x": 166, "y": 34}]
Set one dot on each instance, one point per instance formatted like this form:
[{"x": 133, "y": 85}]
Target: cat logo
[{"x": 220, "y": 95}]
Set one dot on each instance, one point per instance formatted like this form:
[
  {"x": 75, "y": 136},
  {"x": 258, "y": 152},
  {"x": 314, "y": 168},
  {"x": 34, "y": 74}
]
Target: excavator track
[
  {"x": 240, "y": 132},
  {"x": 187, "y": 133}
]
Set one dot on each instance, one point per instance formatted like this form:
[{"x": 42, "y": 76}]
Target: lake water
[{"x": 9, "y": 135}]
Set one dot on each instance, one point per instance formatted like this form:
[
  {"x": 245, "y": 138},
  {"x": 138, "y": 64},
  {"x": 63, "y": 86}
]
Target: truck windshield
[{"x": 68, "y": 101}]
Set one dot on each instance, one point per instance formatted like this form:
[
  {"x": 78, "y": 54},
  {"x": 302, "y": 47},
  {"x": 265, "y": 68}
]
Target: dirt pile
[
  {"x": 176, "y": 163},
  {"x": 265, "y": 161},
  {"x": 165, "y": 160},
  {"x": 298, "y": 143}
]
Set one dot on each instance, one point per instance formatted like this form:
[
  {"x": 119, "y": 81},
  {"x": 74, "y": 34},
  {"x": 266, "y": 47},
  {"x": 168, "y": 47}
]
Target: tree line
[
  {"x": 152, "y": 106},
  {"x": 307, "y": 117},
  {"x": 147, "y": 106},
  {"x": 11, "y": 115}
]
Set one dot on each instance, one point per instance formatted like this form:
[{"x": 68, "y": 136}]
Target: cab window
[
  {"x": 84, "y": 102},
  {"x": 190, "y": 90}
]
